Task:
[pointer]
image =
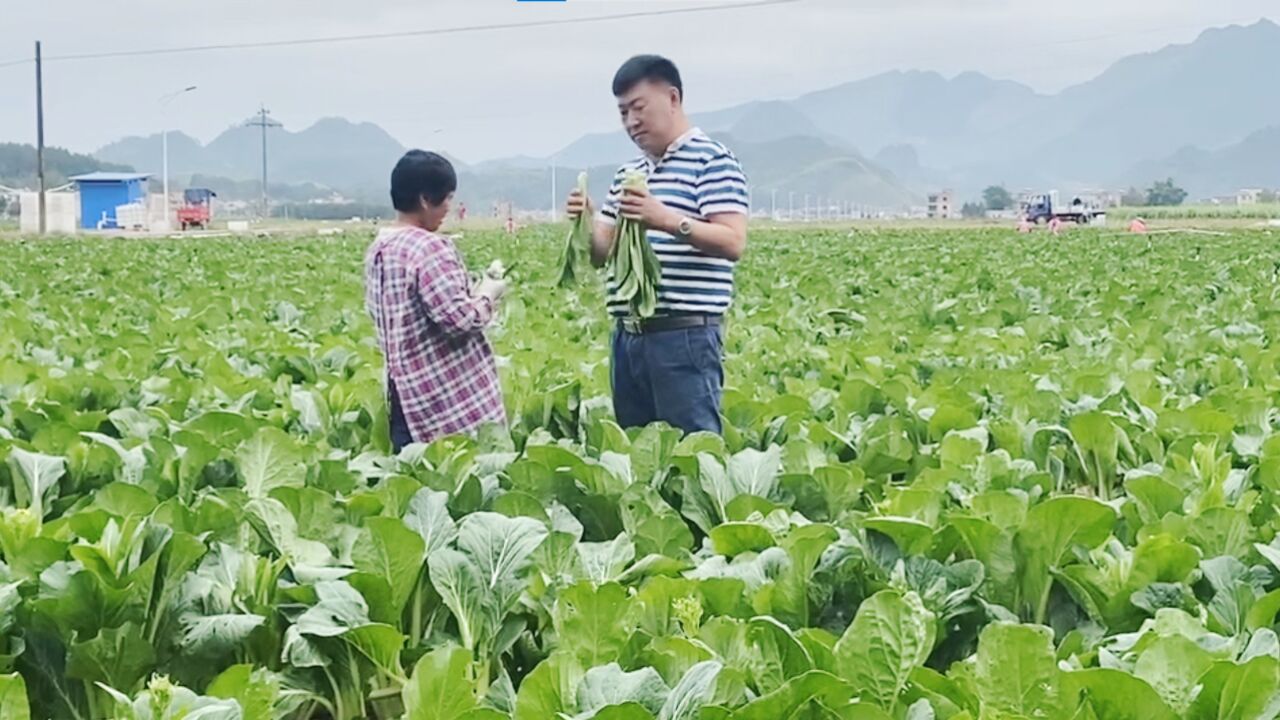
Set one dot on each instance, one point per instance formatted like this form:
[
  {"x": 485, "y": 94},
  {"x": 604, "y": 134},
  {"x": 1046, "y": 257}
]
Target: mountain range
[{"x": 1201, "y": 112}]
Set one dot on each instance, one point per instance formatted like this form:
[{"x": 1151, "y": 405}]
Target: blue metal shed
[{"x": 101, "y": 192}]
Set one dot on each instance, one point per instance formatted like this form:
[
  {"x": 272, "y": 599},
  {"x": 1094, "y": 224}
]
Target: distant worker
[
  {"x": 462, "y": 212},
  {"x": 1138, "y": 226},
  {"x": 511, "y": 223},
  {"x": 1024, "y": 225},
  {"x": 1055, "y": 226}
]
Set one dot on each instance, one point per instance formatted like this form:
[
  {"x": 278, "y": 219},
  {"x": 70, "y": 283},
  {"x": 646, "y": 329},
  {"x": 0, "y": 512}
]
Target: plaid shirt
[{"x": 431, "y": 331}]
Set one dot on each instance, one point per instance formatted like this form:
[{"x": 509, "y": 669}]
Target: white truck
[{"x": 1043, "y": 207}]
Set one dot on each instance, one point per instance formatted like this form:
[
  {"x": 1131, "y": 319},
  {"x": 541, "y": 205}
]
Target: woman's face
[{"x": 433, "y": 216}]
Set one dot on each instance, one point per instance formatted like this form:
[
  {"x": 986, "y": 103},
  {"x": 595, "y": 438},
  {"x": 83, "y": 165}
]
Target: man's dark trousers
[{"x": 675, "y": 376}]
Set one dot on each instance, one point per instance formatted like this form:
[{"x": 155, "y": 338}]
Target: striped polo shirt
[{"x": 697, "y": 177}]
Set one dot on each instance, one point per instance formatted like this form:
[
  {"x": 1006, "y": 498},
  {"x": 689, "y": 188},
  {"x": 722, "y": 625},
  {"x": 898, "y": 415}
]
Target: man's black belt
[{"x": 665, "y": 323}]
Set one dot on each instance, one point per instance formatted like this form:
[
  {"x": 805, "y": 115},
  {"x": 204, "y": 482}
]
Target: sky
[{"x": 531, "y": 91}]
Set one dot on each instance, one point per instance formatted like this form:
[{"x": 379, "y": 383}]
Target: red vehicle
[{"x": 197, "y": 208}]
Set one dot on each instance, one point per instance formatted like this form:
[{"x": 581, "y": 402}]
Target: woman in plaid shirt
[{"x": 441, "y": 376}]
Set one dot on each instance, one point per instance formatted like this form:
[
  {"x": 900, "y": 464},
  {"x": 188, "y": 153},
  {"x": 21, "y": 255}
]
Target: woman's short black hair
[
  {"x": 646, "y": 67},
  {"x": 421, "y": 174}
]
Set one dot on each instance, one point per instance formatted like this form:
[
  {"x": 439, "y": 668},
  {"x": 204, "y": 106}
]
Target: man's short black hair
[
  {"x": 646, "y": 67},
  {"x": 421, "y": 174}
]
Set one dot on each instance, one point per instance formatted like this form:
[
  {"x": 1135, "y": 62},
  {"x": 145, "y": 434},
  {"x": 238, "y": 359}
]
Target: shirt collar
[{"x": 675, "y": 145}]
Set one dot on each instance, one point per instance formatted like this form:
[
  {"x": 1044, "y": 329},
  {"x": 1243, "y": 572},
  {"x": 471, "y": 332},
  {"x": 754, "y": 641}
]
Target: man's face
[{"x": 648, "y": 113}]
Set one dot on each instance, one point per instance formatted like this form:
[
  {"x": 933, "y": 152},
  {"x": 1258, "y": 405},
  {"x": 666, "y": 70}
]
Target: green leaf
[
  {"x": 550, "y": 689},
  {"x": 1051, "y": 530},
  {"x": 342, "y": 612},
  {"x": 119, "y": 657},
  {"x": 428, "y": 515},
  {"x": 1263, "y": 612},
  {"x": 1250, "y": 691},
  {"x": 1173, "y": 665},
  {"x": 1016, "y": 672},
  {"x": 625, "y": 711},
  {"x": 215, "y": 635},
  {"x": 442, "y": 686},
  {"x": 734, "y": 538},
  {"x": 692, "y": 692},
  {"x": 594, "y": 622},
  {"x": 651, "y": 453},
  {"x": 653, "y": 525},
  {"x": 222, "y": 428},
  {"x": 460, "y": 584},
  {"x": 789, "y": 599},
  {"x": 34, "y": 476},
  {"x": 256, "y": 690},
  {"x": 133, "y": 461},
  {"x": 500, "y": 546},
  {"x": 1114, "y": 694},
  {"x": 124, "y": 501},
  {"x": 750, "y": 472},
  {"x": 986, "y": 542},
  {"x": 778, "y": 657},
  {"x": 280, "y": 528},
  {"x": 380, "y": 644},
  {"x": 269, "y": 460},
  {"x": 1222, "y": 531},
  {"x": 393, "y": 552},
  {"x": 753, "y": 472},
  {"x": 911, "y": 536},
  {"x": 891, "y": 635},
  {"x": 790, "y": 699},
  {"x": 13, "y": 698},
  {"x": 609, "y": 685},
  {"x": 606, "y": 561}
]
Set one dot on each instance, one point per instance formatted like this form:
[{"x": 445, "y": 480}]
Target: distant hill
[
  {"x": 972, "y": 130},
  {"x": 887, "y": 139},
  {"x": 18, "y": 165},
  {"x": 935, "y": 115},
  {"x": 808, "y": 165},
  {"x": 354, "y": 158},
  {"x": 1251, "y": 163},
  {"x": 1208, "y": 93}
]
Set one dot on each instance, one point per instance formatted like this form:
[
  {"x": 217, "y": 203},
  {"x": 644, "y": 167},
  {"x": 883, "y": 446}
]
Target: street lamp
[{"x": 164, "y": 143}]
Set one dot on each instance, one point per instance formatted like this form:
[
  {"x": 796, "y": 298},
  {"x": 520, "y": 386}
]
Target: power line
[
  {"x": 410, "y": 33},
  {"x": 533, "y": 24}
]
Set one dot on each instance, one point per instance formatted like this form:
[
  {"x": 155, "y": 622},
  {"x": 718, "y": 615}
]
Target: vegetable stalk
[{"x": 635, "y": 265}]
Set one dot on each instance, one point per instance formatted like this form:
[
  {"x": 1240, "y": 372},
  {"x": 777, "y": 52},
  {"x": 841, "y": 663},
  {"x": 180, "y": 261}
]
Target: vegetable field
[{"x": 965, "y": 475}]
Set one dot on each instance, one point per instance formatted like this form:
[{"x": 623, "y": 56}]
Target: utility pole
[
  {"x": 264, "y": 122},
  {"x": 40, "y": 135}
]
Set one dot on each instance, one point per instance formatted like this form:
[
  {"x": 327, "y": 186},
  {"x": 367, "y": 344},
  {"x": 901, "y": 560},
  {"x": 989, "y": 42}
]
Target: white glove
[
  {"x": 492, "y": 288},
  {"x": 496, "y": 270}
]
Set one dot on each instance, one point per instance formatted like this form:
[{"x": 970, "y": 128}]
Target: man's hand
[
  {"x": 578, "y": 204},
  {"x": 640, "y": 204},
  {"x": 492, "y": 288}
]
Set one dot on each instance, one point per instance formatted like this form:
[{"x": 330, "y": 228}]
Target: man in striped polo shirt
[{"x": 669, "y": 367}]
